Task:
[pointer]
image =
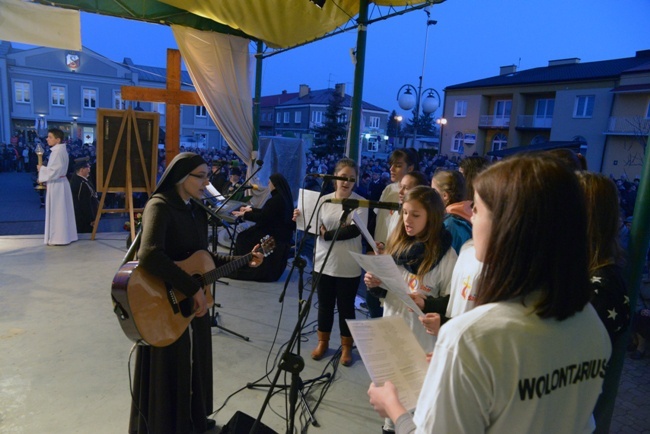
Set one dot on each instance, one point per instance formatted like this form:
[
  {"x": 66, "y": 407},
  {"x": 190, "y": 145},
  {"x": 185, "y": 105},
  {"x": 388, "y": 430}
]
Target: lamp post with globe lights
[{"x": 412, "y": 97}]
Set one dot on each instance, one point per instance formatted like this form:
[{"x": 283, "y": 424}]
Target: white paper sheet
[
  {"x": 384, "y": 268},
  {"x": 364, "y": 231},
  {"x": 390, "y": 351},
  {"x": 307, "y": 201},
  {"x": 213, "y": 193}
]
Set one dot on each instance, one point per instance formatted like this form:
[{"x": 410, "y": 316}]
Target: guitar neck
[{"x": 225, "y": 270}]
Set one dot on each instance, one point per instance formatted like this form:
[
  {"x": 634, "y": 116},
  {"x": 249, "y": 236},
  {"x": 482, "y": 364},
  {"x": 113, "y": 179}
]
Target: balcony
[
  {"x": 488, "y": 121},
  {"x": 628, "y": 126},
  {"x": 534, "y": 122}
]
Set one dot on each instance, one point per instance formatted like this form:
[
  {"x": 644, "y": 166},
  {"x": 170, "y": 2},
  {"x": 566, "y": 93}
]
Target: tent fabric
[
  {"x": 277, "y": 23},
  {"x": 219, "y": 66},
  {"x": 34, "y": 24},
  {"x": 282, "y": 23}
]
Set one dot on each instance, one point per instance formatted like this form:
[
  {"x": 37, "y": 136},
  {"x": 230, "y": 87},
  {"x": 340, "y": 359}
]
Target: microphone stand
[
  {"x": 214, "y": 314},
  {"x": 299, "y": 262},
  {"x": 294, "y": 363}
]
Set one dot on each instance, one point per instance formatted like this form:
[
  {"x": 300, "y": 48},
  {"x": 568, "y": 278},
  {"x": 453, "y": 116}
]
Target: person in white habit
[{"x": 60, "y": 226}]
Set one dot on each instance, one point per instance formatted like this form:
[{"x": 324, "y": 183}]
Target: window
[
  {"x": 343, "y": 118},
  {"x": 544, "y": 108},
  {"x": 201, "y": 139},
  {"x": 159, "y": 107},
  {"x": 647, "y": 112},
  {"x": 57, "y": 93},
  {"x": 278, "y": 118},
  {"x": 287, "y": 117},
  {"x": 374, "y": 122},
  {"x": 460, "y": 109},
  {"x": 373, "y": 146},
  {"x": 500, "y": 141},
  {"x": 317, "y": 117},
  {"x": 584, "y": 106},
  {"x": 458, "y": 142},
  {"x": 22, "y": 92},
  {"x": 90, "y": 98},
  {"x": 118, "y": 104},
  {"x": 200, "y": 112},
  {"x": 502, "y": 110},
  {"x": 543, "y": 117},
  {"x": 297, "y": 117}
]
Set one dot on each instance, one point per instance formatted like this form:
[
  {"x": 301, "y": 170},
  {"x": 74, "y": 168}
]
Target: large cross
[{"x": 172, "y": 96}]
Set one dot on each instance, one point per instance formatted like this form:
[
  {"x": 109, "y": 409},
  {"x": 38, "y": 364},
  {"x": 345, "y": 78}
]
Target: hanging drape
[
  {"x": 39, "y": 25},
  {"x": 220, "y": 69}
]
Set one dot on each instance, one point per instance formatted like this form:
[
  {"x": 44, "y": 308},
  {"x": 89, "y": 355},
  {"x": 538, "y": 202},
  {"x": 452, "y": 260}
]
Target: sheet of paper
[
  {"x": 384, "y": 268},
  {"x": 364, "y": 231},
  {"x": 213, "y": 193},
  {"x": 390, "y": 351},
  {"x": 307, "y": 201}
]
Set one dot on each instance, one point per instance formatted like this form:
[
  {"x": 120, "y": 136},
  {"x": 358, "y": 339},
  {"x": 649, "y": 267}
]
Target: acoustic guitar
[{"x": 152, "y": 312}]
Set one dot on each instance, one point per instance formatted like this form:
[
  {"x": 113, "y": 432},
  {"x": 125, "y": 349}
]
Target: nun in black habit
[
  {"x": 275, "y": 218},
  {"x": 172, "y": 390}
]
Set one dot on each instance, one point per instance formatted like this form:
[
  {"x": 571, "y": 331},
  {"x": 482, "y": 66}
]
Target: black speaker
[{"x": 241, "y": 423}]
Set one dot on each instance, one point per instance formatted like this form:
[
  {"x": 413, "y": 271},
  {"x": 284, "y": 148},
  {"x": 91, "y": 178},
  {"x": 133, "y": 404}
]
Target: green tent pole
[
  {"x": 258, "y": 95},
  {"x": 357, "y": 97},
  {"x": 637, "y": 251}
]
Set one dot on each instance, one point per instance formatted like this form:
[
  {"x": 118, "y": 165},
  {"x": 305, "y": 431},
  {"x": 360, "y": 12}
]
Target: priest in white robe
[{"x": 60, "y": 226}]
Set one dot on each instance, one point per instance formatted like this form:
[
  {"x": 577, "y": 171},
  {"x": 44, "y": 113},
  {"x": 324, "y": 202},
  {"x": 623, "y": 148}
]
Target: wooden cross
[{"x": 172, "y": 96}]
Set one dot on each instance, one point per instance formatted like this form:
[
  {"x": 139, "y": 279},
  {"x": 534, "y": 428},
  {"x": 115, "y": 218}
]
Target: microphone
[
  {"x": 259, "y": 162},
  {"x": 250, "y": 187},
  {"x": 363, "y": 203},
  {"x": 332, "y": 177}
]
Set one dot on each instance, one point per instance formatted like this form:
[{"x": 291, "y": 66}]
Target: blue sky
[{"x": 472, "y": 39}]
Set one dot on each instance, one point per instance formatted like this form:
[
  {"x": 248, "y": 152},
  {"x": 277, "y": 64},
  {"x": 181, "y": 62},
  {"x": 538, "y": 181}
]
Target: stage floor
[{"x": 65, "y": 358}]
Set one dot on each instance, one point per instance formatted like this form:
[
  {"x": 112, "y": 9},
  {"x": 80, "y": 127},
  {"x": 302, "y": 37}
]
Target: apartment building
[
  {"x": 44, "y": 87},
  {"x": 299, "y": 114},
  {"x": 604, "y": 105}
]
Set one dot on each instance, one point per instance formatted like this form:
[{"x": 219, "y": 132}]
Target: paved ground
[{"x": 21, "y": 214}]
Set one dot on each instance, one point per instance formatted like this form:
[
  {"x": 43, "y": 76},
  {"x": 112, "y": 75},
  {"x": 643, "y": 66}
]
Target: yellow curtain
[{"x": 280, "y": 23}]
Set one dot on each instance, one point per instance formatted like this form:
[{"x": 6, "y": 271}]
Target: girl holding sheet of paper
[
  {"x": 421, "y": 247},
  {"x": 338, "y": 283}
]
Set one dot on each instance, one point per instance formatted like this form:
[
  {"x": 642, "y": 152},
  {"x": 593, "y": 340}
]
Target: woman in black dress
[
  {"x": 275, "y": 219},
  {"x": 172, "y": 391}
]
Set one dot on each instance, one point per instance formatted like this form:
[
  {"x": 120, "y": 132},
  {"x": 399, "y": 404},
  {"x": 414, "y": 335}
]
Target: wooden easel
[{"x": 147, "y": 176}]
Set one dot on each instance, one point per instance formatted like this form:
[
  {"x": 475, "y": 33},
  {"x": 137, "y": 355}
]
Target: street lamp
[
  {"x": 441, "y": 123},
  {"x": 429, "y": 99},
  {"x": 398, "y": 128},
  {"x": 412, "y": 97}
]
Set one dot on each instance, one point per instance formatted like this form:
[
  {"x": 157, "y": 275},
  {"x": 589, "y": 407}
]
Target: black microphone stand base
[
  {"x": 214, "y": 322},
  {"x": 294, "y": 364}
]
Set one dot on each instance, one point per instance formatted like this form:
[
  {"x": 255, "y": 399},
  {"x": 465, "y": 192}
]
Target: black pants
[{"x": 338, "y": 292}]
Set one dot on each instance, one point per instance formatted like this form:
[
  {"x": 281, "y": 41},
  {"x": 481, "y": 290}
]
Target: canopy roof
[{"x": 277, "y": 23}]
